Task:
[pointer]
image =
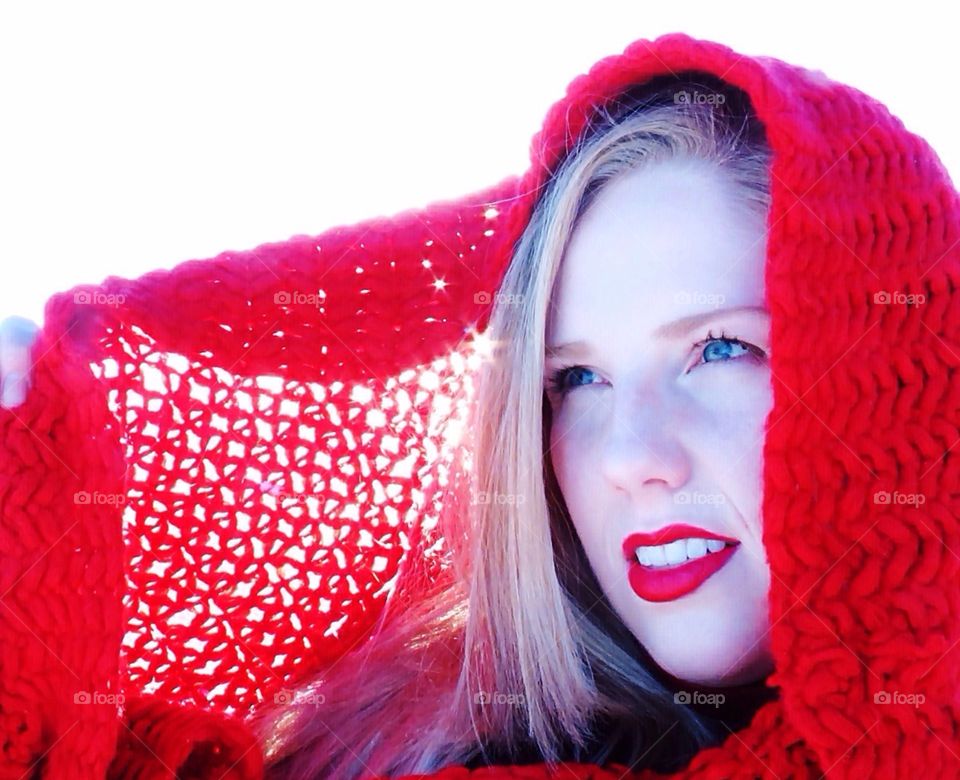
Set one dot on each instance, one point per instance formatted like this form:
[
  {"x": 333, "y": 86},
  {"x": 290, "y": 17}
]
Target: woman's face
[{"x": 651, "y": 430}]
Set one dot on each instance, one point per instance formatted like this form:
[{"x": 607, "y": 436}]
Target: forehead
[{"x": 658, "y": 243}]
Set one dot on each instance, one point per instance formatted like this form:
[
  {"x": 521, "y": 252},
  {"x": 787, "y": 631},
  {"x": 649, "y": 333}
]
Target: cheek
[
  {"x": 731, "y": 411},
  {"x": 559, "y": 457},
  {"x": 572, "y": 450},
  {"x": 743, "y": 386},
  {"x": 731, "y": 430},
  {"x": 571, "y": 461},
  {"x": 563, "y": 441}
]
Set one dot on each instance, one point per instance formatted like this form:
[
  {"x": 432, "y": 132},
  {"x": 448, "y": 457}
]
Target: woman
[
  {"x": 646, "y": 251},
  {"x": 718, "y": 356}
]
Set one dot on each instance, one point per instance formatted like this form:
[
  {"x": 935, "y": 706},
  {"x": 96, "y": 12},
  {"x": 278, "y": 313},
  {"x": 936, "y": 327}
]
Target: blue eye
[
  {"x": 558, "y": 379},
  {"x": 723, "y": 352}
]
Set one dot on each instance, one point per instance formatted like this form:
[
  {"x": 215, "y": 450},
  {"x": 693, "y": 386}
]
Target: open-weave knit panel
[
  {"x": 265, "y": 515},
  {"x": 220, "y": 467},
  {"x": 247, "y": 561}
]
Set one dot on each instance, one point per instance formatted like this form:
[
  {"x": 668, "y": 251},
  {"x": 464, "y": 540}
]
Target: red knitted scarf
[{"x": 219, "y": 467}]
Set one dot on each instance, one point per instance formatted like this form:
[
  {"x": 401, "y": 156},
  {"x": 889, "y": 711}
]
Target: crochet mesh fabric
[{"x": 220, "y": 468}]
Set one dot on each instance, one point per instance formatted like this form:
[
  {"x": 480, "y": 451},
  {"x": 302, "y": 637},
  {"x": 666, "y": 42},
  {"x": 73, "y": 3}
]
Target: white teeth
[
  {"x": 657, "y": 556},
  {"x": 677, "y": 551}
]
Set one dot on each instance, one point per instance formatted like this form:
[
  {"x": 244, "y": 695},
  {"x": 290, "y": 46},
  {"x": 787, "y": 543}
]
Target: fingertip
[
  {"x": 14, "y": 390},
  {"x": 18, "y": 331}
]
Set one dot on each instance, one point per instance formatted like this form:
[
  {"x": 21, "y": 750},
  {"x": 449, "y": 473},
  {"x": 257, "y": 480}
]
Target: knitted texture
[{"x": 221, "y": 469}]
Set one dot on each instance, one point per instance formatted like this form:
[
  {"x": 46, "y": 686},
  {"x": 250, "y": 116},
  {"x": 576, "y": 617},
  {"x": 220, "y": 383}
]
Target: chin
[{"x": 716, "y": 671}]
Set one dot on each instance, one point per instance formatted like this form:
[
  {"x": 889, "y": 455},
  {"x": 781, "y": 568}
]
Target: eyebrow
[{"x": 671, "y": 330}]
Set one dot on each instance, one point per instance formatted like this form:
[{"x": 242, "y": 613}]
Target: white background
[{"x": 136, "y": 136}]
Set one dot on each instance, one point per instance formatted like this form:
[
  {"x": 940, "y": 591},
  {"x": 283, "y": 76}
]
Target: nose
[{"x": 643, "y": 447}]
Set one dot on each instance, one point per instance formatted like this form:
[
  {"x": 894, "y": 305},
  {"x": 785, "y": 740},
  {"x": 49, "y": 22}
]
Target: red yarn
[
  {"x": 169, "y": 742},
  {"x": 215, "y": 475}
]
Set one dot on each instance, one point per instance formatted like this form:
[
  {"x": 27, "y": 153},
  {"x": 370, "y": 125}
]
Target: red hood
[{"x": 207, "y": 480}]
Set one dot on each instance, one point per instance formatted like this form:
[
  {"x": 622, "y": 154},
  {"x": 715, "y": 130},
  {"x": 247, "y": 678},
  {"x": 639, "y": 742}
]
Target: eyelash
[{"x": 557, "y": 377}]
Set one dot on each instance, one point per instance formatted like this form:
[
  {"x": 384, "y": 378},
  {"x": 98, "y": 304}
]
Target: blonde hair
[{"x": 520, "y": 618}]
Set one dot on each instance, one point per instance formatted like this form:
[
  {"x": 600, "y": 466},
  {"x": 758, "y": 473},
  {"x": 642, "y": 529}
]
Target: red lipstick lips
[{"x": 666, "y": 583}]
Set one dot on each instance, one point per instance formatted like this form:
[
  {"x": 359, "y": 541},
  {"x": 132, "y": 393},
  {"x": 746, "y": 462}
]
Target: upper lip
[{"x": 666, "y": 535}]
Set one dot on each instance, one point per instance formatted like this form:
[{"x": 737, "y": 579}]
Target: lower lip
[{"x": 667, "y": 583}]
